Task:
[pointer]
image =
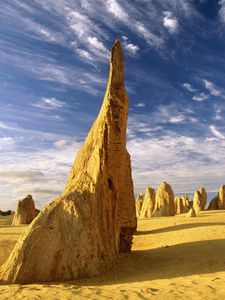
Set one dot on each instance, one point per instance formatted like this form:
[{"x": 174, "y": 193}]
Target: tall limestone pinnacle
[{"x": 81, "y": 232}]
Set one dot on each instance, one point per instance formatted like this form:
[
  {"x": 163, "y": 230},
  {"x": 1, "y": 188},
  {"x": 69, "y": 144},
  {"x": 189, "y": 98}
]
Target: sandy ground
[{"x": 172, "y": 258}]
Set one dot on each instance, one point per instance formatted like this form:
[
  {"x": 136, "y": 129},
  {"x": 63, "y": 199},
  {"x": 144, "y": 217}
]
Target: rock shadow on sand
[
  {"x": 168, "y": 262},
  {"x": 177, "y": 227}
]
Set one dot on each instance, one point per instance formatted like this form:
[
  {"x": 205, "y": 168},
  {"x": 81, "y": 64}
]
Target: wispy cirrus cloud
[
  {"x": 174, "y": 157},
  {"x": 200, "y": 97},
  {"x": 117, "y": 10},
  {"x": 216, "y": 132},
  {"x": 222, "y": 10},
  {"x": 50, "y": 103},
  {"x": 140, "y": 104},
  {"x": 6, "y": 142},
  {"x": 211, "y": 88},
  {"x": 189, "y": 87}
]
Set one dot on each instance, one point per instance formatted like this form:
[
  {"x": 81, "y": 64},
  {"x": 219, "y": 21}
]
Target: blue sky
[{"x": 53, "y": 71}]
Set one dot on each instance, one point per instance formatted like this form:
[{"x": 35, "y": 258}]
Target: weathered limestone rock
[
  {"x": 213, "y": 205},
  {"x": 218, "y": 202},
  {"x": 181, "y": 204},
  {"x": 191, "y": 213},
  {"x": 148, "y": 203},
  {"x": 80, "y": 233},
  {"x": 178, "y": 204},
  {"x": 190, "y": 204},
  {"x": 138, "y": 204},
  {"x": 25, "y": 211},
  {"x": 164, "y": 205},
  {"x": 200, "y": 199},
  {"x": 221, "y": 197},
  {"x": 186, "y": 203}
]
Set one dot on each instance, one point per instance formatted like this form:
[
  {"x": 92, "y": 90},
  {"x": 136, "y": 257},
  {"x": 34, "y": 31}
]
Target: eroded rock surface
[
  {"x": 139, "y": 203},
  {"x": 164, "y": 205},
  {"x": 200, "y": 199},
  {"x": 148, "y": 203},
  {"x": 191, "y": 213},
  {"x": 218, "y": 202},
  {"x": 181, "y": 204},
  {"x": 80, "y": 233},
  {"x": 25, "y": 211}
]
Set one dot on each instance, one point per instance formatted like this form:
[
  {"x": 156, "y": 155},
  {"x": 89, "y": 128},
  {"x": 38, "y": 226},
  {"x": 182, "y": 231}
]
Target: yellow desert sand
[{"x": 172, "y": 258}]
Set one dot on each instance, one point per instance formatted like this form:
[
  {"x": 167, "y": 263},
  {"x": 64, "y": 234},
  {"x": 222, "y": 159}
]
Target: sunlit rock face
[
  {"x": 164, "y": 205},
  {"x": 191, "y": 213},
  {"x": 200, "y": 199},
  {"x": 218, "y": 202},
  {"x": 148, "y": 203},
  {"x": 25, "y": 211},
  {"x": 80, "y": 233}
]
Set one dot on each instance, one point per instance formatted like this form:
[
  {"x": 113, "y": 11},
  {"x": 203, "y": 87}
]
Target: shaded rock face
[
  {"x": 181, "y": 204},
  {"x": 191, "y": 213},
  {"x": 218, "y": 202},
  {"x": 178, "y": 205},
  {"x": 80, "y": 233},
  {"x": 164, "y": 205},
  {"x": 213, "y": 205},
  {"x": 148, "y": 203},
  {"x": 25, "y": 211},
  {"x": 186, "y": 203},
  {"x": 138, "y": 204},
  {"x": 200, "y": 199}
]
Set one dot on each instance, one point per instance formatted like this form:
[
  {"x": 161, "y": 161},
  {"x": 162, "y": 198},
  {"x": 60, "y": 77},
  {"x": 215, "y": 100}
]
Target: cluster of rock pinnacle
[
  {"x": 82, "y": 231},
  {"x": 164, "y": 203}
]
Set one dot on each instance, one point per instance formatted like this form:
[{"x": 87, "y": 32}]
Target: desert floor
[{"x": 172, "y": 258}]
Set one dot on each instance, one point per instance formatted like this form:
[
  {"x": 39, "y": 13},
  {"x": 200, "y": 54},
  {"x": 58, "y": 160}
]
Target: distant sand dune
[{"x": 172, "y": 258}]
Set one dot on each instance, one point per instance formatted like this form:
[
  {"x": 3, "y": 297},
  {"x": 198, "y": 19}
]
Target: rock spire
[{"x": 81, "y": 232}]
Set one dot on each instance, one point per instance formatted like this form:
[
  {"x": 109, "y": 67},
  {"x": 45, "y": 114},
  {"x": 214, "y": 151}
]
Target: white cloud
[
  {"x": 138, "y": 26},
  {"x": 216, "y": 132},
  {"x": 4, "y": 126},
  {"x": 175, "y": 158},
  {"x": 140, "y": 104},
  {"x": 200, "y": 97},
  {"x": 170, "y": 22},
  {"x": 84, "y": 54},
  {"x": 90, "y": 35},
  {"x": 94, "y": 42},
  {"x": 6, "y": 142},
  {"x": 21, "y": 175},
  {"x": 150, "y": 38},
  {"x": 188, "y": 87},
  {"x": 218, "y": 113},
  {"x": 222, "y": 10},
  {"x": 61, "y": 143},
  {"x": 133, "y": 49},
  {"x": 177, "y": 119},
  {"x": 118, "y": 12},
  {"x": 211, "y": 88},
  {"x": 50, "y": 103},
  {"x": 130, "y": 47},
  {"x": 46, "y": 169},
  {"x": 170, "y": 114}
]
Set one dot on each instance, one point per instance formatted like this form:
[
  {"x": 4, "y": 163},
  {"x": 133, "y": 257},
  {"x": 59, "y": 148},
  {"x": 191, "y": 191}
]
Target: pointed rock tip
[
  {"x": 116, "y": 65},
  {"x": 116, "y": 51},
  {"x": 117, "y": 44}
]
